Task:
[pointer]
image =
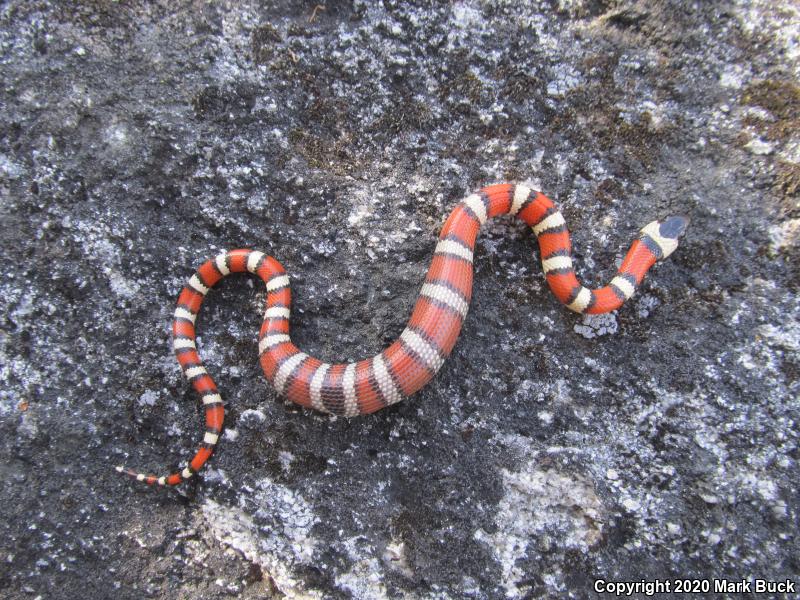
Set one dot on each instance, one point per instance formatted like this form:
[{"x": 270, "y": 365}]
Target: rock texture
[{"x": 138, "y": 138}]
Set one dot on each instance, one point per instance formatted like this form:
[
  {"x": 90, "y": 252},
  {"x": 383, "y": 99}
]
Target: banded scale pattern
[{"x": 350, "y": 389}]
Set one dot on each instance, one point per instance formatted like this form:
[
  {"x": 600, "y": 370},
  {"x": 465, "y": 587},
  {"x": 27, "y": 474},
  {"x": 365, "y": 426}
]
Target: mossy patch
[
  {"x": 787, "y": 185},
  {"x": 593, "y": 118},
  {"x": 215, "y": 102},
  {"x": 782, "y": 100},
  {"x": 520, "y": 86},
  {"x": 590, "y": 116},
  {"x": 468, "y": 85},
  {"x": 332, "y": 155},
  {"x": 609, "y": 190},
  {"x": 405, "y": 116},
  {"x": 459, "y": 79},
  {"x": 263, "y": 42}
]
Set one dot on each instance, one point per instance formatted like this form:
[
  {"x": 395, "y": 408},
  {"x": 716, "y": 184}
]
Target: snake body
[{"x": 410, "y": 362}]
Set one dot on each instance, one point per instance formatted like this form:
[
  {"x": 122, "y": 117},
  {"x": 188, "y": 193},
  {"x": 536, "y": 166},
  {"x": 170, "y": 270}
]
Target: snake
[{"x": 412, "y": 360}]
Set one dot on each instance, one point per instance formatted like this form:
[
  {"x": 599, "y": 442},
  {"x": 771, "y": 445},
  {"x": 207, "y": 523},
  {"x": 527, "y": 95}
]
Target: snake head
[
  {"x": 673, "y": 226},
  {"x": 661, "y": 237}
]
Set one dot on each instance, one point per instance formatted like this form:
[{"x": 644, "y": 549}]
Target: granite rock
[{"x": 138, "y": 138}]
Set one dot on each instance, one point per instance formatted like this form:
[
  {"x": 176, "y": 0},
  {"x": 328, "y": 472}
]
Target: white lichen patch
[
  {"x": 362, "y": 208},
  {"x": 364, "y": 579},
  {"x": 10, "y": 168},
  {"x": 776, "y": 19},
  {"x": 759, "y": 147},
  {"x": 100, "y": 250},
  {"x": 396, "y": 558},
  {"x": 251, "y": 418},
  {"x": 286, "y": 459},
  {"x": 116, "y": 136},
  {"x": 597, "y": 325},
  {"x": 567, "y": 79},
  {"x": 148, "y": 398},
  {"x": 272, "y": 529},
  {"x": 733, "y": 77},
  {"x": 536, "y": 505},
  {"x": 645, "y": 304},
  {"x": 784, "y": 235}
]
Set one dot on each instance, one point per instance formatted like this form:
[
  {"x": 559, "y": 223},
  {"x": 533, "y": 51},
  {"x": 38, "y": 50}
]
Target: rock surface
[{"x": 138, "y": 138}]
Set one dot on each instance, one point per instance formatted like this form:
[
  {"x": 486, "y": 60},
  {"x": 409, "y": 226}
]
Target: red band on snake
[{"x": 410, "y": 362}]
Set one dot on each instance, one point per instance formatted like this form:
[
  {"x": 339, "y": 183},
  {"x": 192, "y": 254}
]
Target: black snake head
[{"x": 674, "y": 226}]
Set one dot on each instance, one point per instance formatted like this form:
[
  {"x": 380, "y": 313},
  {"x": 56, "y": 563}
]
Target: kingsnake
[{"x": 410, "y": 362}]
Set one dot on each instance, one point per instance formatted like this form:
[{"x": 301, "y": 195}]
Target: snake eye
[{"x": 673, "y": 227}]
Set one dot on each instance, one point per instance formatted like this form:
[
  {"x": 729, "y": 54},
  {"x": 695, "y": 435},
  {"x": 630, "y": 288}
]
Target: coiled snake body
[{"x": 404, "y": 367}]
